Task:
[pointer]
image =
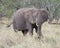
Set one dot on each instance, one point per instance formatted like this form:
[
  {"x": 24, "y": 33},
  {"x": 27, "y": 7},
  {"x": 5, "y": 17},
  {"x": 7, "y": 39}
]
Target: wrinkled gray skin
[{"x": 26, "y": 19}]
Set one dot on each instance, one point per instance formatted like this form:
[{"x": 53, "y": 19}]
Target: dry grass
[{"x": 10, "y": 39}]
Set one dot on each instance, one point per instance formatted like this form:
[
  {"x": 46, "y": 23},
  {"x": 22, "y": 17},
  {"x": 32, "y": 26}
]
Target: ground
[{"x": 11, "y": 39}]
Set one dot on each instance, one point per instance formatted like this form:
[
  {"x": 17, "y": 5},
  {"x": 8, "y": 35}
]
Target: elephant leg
[
  {"x": 14, "y": 27},
  {"x": 39, "y": 33},
  {"x": 30, "y": 29}
]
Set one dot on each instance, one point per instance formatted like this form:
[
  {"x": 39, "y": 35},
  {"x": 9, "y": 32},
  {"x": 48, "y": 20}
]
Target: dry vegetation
[{"x": 11, "y": 39}]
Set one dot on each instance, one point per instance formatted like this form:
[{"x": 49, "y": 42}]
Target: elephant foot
[
  {"x": 24, "y": 32},
  {"x": 40, "y": 37}
]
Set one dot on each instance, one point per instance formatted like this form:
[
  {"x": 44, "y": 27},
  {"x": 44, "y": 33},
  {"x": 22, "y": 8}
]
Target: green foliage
[{"x": 8, "y": 7}]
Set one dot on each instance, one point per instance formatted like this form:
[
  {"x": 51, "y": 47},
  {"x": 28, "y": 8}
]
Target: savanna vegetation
[{"x": 11, "y": 39}]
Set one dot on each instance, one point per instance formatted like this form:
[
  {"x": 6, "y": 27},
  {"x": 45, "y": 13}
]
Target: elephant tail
[{"x": 9, "y": 25}]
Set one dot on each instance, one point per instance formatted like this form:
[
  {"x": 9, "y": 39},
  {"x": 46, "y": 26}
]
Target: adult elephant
[{"x": 26, "y": 19}]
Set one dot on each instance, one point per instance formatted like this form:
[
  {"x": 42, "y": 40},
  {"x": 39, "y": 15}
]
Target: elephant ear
[{"x": 44, "y": 14}]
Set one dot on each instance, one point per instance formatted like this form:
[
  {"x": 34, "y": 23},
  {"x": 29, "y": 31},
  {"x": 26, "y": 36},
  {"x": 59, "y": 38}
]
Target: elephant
[{"x": 26, "y": 19}]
